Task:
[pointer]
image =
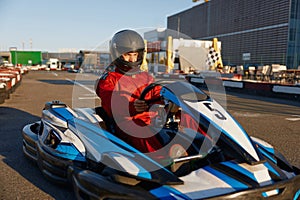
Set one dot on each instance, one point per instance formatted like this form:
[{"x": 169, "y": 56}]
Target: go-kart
[{"x": 78, "y": 146}]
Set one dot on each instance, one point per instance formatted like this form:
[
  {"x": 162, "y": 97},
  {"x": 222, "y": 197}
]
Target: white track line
[
  {"x": 294, "y": 118},
  {"x": 83, "y": 86},
  {"x": 55, "y": 74}
]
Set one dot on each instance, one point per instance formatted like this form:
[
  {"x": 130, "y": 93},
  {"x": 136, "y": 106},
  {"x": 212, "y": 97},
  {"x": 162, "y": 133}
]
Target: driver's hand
[{"x": 140, "y": 105}]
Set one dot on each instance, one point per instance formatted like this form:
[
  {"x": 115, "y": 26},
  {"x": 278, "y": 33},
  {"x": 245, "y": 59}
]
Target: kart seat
[{"x": 109, "y": 122}]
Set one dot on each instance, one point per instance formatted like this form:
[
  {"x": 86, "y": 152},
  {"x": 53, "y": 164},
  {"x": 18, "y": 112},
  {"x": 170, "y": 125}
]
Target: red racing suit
[{"x": 118, "y": 93}]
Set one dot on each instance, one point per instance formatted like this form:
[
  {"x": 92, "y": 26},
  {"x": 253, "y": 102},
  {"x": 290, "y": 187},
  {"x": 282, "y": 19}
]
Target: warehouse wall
[{"x": 259, "y": 28}]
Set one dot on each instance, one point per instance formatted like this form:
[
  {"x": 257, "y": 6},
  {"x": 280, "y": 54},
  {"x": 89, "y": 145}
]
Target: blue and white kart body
[{"x": 72, "y": 146}]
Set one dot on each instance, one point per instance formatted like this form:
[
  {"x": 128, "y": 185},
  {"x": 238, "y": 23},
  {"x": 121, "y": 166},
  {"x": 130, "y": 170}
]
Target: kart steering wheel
[
  {"x": 147, "y": 90},
  {"x": 161, "y": 107}
]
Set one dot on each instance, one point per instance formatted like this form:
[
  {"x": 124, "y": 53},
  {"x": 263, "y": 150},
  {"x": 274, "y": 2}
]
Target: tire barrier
[{"x": 10, "y": 79}]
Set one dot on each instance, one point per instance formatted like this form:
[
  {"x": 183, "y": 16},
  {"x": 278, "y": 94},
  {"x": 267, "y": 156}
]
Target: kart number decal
[{"x": 218, "y": 114}]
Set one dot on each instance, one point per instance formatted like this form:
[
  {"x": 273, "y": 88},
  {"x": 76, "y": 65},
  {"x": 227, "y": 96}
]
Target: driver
[{"x": 119, "y": 88}]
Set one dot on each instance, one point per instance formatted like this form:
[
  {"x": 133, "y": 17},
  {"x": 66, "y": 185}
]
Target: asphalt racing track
[{"x": 275, "y": 120}]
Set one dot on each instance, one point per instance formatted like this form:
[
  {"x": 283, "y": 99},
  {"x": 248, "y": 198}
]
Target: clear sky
[{"x": 57, "y": 25}]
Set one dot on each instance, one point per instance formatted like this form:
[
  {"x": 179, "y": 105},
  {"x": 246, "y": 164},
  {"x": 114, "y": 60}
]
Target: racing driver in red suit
[{"x": 120, "y": 87}]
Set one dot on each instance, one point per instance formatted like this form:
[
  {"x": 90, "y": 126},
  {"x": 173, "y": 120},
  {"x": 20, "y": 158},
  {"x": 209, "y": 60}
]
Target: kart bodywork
[{"x": 78, "y": 146}]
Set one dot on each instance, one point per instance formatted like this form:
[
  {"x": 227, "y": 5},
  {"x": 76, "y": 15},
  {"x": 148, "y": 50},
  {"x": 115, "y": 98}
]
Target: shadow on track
[
  {"x": 11, "y": 123},
  {"x": 67, "y": 82}
]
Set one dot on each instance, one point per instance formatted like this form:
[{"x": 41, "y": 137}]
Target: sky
[{"x": 73, "y": 25}]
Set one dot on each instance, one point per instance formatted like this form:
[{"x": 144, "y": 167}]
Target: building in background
[
  {"x": 93, "y": 60},
  {"x": 157, "y": 49},
  {"x": 251, "y": 31},
  {"x": 85, "y": 59},
  {"x": 63, "y": 57},
  {"x": 26, "y": 57},
  {"x": 5, "y": 56},
  {"x": 169, "y": 51}
]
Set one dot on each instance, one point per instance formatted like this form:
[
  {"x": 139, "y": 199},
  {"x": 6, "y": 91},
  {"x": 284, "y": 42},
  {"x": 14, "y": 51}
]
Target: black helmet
[{"x": 126, "y": 41}]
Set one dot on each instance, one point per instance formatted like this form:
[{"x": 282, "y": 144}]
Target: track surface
[{"x": 273, "y": 120}]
